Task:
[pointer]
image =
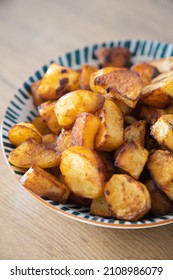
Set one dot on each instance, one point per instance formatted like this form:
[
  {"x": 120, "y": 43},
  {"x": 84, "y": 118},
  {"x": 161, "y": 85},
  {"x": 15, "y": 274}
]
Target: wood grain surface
[{"x": 31, "y": 33}]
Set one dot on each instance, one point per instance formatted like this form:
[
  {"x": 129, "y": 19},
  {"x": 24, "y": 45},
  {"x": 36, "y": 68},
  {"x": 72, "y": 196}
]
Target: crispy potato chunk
[
  {"x": 46, "y": 111},
  {"x": 84, "y": 130},
  {"x": 86, "y": 72},
  {"x": 110, "y": 132},
  {"x": 64, "y": 140},
  {"x": 99, "y": 207},
  {"x": 162, "y": 64},
  {"x": 162, "y": 131},
  {"x": 113, "y": 56},
  {"x": 41, "y": 125},
  {"x": 44, "y": 184},
  {"x": 159, "y": 93},
  {"x": 37, "y": 99},
  {"x": 49, "y": 140},
  {"x": 127, "y": 198},
  {"x": 57, "y": 81},
  {"x": 151, "y": 114},
  {"x": 135, "y": 132},
  {"x": 30, "y": 152},
  {"x": 160, "y": 203},
  {"x": 146, "y": 71},
  {"x": 132, "y": 159},
  {"x": 70, "y": 105},
  {"x": 20, "y": 132},
  {"x": 83, "y": 171},
  {"x": 124, "y": 85},
  {"x": 160, "y": 167}
]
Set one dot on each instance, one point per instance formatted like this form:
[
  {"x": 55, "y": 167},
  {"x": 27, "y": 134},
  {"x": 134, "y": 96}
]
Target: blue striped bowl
[{"x": 21, "y": 109}]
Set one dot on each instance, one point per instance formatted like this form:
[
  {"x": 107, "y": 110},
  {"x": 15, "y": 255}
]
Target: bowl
[{"x": 21, "y": 109}]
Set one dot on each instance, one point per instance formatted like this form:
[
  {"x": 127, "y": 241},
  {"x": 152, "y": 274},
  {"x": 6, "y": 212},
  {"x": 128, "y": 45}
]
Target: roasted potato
[
  {"x": 162, "y": 131},
  {"x": 146, "y": 71},
  {"x": 160, "y": 203},
  {"x": 37, "y": 99},
  {"x": 31, "y": 152},
  {"x": 124, "y": 85},
  {"x": 83, "y": 171},
  {"x": 41, "y": 125},
  {"x": 82, "y": 201},
  {"x": 64, "y": 140},
  {"x": 151, "y": 114},
  {"x": 86, "y": 72},
  {"x": 162, "y": 64},
  {"x": 127, "y": 198},
  {"x": 132, "y": 159},
  {"x": 49, "y": 140},
  {"x": 135, "y": 132},
  {"x": 20, "y": 132},
  {"x": 46, "y": 111},
  {"x": 107, "y": 138},
  {"x": 113, "y": 56},
  {"x": 69, "y": 106},
  {"x": 108, "y": 160},
  {"x": 160, "y": 167},
  {"x": 159, "y": 93},
  {"x": 45, "y": 184},
  {"x": 99, "y": 207},
  {"x": 85, "y": 129},
  {"x": 57, "y": 81}
]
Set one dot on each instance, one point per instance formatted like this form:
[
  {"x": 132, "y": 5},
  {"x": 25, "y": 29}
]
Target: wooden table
[{"x": 31, "y": 33}]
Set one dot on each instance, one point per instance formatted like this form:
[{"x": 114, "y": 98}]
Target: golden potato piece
[
  {"x": 64, "y": 140},
  {"x": 20, "y": 132},
  {"x": 46, "y": 111},
  {"x": 70, "y": 105},
  {"x": 41, "y": 125},
  {"x": 57, "y": 81},
  {"x": 44, "y": 184},
  {"x": 159, "y": 93},
  {"x": 85, "y": 129},
  {"x": 125, "y": 109},
  {"x": 135, "y": 132},
  {"x": 160, "y": 167},
  {"x": 83, "y": 171},
  {"x": 49, "y": 140},
  {"x": 160, "y": 203},
  {"x": 86, "y": 72},
  {"x": 162, "y": 64},
  {"x": 146, "y": 71},
  {"x": 132, "y": 159},
  {"x": 99, "y": 207},
  {"x": 37, "y": 99},
  {"x": 162, "y": 131},
  {"x": 124, "y": 85},
  {"x": 151, "y": 114},
  {"x": 113, "y": 56},
  {"x": 127, "y": 198},
  {"x": 30, "y": 152}
]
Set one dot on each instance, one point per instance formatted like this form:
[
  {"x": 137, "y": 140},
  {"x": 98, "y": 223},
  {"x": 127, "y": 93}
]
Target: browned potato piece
[
  {"x": 124, "y": 85},
  {"x": 86, "y": 72},
  {"x": 127, "y": 198},
  {"x": 83, "y": 171},
  {"x": 44, "y": 184},
  {"x": 64, "y": 140},
  {"x": 84, "y": 130},
  {"x": 159, "y": 93},
  {"x": 125, "y": 109},
  {"x": 30, "y": 152},
  {"x": 132, "y": 159},
  {"x": 49, "y": 140},
  {"x": 162, "y": 131},
  {"x": 151, "y": 114},
  {"x": 57, "y": 81},
  {"x": 79, "y": 200},
  {"x": 70, "y": 105},
  {"x": 107, "y": 158},
  {"x": 113, "y": 56},
  {"x": 169, "y": 109},
  {"x": 162, "y": 64},
  {"x": 46, "y": 111},
  {"x": 20, "y": 132},
  {"x": 110, "y": 132},
  {"x": 160, "y": 166},
  {"x": 146, "y": 71},
  {"x": 160, "y": 203},
  {"x": 99, "y": 207},
  {"x": 41, "y": 125},
  {"x": 37, "y": 99},
  {"x": 136, "y": 132}
]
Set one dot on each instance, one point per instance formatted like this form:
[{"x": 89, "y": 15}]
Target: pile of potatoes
[{"x": 103, "y": 137}]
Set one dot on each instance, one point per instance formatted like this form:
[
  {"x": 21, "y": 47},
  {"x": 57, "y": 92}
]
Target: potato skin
[
  {"x": 83, "y": 171},
  {"x": 20, "y": 132},
  {"x": 135, "y": 132},
  {"x": 86, "y": 72},
  {"x": 146, "y": 71},
  {"x": 64, "y": 140},
  {"x": 45, "y": 184},
  {"x": 127, "y": 198},
  {"x": 41, "y": 125},
  {"x": 100, "y": 207}
]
